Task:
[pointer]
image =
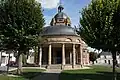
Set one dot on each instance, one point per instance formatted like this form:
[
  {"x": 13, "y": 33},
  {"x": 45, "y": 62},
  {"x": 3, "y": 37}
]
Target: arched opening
[
  {"x": 68, "y": 40},
  {"x": 77, "y": 40}
]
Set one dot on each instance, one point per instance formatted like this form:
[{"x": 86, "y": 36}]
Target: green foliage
[
  {"x": 93, "y": 56},
  {"x": 27, "y": 74},
  {"x": 100, "y": 24},
  {"x": 94, "y": 73},
  {"x": 21, "y": 23}
]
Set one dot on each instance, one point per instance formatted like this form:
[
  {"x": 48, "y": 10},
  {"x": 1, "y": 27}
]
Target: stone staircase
[{"x": 59, "y": 66}]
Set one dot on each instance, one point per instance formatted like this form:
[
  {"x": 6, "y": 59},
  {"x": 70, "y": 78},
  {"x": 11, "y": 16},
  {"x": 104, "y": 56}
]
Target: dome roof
[
  {"x": 60, "y": 25},
  {"x": 59, "y": 30},
  {"x": 61, "y": 15},
  {"x": 60, "y": 18}
]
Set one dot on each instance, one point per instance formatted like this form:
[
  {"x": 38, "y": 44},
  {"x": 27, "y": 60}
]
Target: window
[
  {"x": 84, "y": 51},
  {"x": 78, "y": 40},
  {"x": 105, "y": 61},
  {"x": 60, "y": 20},
  {"x": 108, "y": 61},
  {"x": 68, "y": 39},
  {"x": 3, "y": 59},
  {"x": 96, "y": 62}
]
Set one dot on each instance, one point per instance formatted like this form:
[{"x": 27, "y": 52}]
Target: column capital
[
  {"x": 73, "y": 44},
  {"x": 49, "y": 44},
  {"x": 62, "y": 43}
]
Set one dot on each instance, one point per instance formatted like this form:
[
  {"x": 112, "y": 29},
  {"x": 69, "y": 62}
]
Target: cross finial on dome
[
  {"x": 60, "y": 2},
  {"x": 60, "y": 8}
]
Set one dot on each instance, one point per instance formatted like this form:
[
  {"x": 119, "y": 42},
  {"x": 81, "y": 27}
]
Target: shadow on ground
[
  {"x": 27, "y": 75},
  {"x": 47, "y": 76},
  {"x": 84, "y": 76},
  {"x": 33, "y": 75},
  {"x": 40, "y": 76},
  {"x": 30, "y": 75}
]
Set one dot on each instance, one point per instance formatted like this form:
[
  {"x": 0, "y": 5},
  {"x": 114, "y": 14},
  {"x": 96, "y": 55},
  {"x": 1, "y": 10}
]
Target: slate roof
[
  {"x": 105, "y": 53},
  {"x": 59, "y": 30}
]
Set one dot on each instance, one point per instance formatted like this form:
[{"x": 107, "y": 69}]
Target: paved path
[
  {"x": 51, "y": 74},
  {"x": 4, "y": 68}
]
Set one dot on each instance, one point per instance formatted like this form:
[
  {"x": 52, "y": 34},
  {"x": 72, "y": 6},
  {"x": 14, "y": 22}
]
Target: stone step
[
  {"x": 59, "y": 66},
  {"x": 52, "y": 66},
  {"x": 55, "y": 67}
]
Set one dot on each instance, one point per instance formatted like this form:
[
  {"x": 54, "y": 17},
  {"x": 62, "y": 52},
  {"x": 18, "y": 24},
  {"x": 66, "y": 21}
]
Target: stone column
[
  {"x": 40, "y": 56},
  {"x": 63, "y": 54},
  {"x": 87, "y": 58},
  {"x": 74, "y": 56},
  {"x": 49, "y": 55},
  {"x": 77, "y": 57},
  {"x": 81, "y": 55},
  {"x": 70, "y": 58}
]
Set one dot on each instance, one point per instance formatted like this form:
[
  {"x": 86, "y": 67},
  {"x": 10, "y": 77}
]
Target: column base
[
  {"x": 40, "y": 66},
  {"x": 82, "y": 66},
  {"x": 73, "y": 66},
  {"x": 48, "y": 67},
  {"x": 62, "y": 67}
]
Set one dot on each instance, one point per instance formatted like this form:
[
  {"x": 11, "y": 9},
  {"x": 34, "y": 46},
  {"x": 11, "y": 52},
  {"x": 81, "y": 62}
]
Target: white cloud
[{"x": 49, "y": 4}]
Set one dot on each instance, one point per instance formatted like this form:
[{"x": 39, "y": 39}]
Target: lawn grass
[
  {"x": 95, "y": 73},
  {"x": 26, "y": 74},
  {"x": 4, "y": 77}
]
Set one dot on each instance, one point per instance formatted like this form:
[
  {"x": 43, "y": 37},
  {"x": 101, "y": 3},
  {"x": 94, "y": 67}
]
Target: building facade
[
  {"x": 61, "y": 44},
  {"x": 106, "y": 59},
  {"x": 4, "y": 56}
]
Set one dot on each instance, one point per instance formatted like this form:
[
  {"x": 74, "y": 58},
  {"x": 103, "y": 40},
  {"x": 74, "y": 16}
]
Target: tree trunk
[
  {"x": 38, "y": 56},
  {"x": 35, "y": 55},
  {"x": 0, "y": 58},
  {"x": 8, "y": 63},
  {"x": 19, "y": 70},
  {"x": 24, "y": 59},
  {"x": 114, "y": 64}
]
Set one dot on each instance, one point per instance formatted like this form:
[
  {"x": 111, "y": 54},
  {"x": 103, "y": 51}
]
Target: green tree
[
  {"x": 21, "y": 22},
  {"x": 100, "y": 26},
  {"x": 93, "y": 56}
]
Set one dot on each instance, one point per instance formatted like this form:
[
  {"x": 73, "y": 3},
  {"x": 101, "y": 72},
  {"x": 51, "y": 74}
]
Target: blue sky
[{"x": 71, "y": 8}]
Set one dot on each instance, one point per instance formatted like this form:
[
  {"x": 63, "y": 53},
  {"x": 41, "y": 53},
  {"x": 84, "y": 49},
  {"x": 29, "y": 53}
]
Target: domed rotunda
[{"x": 61, "y": 46}]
